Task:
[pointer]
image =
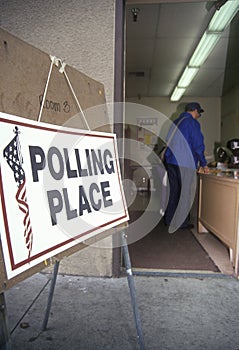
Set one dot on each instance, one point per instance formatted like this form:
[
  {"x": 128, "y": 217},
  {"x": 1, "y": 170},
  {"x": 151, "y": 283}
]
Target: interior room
[{"x": 168, "y": 66}]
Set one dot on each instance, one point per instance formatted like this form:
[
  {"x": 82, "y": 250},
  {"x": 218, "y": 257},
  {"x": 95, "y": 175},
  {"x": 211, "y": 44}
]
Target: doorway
[{"x": 153, "y": 63}]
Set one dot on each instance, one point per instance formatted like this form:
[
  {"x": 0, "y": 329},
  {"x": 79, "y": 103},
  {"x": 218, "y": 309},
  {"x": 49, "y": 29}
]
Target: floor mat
[{"x": 161, "y": 250}]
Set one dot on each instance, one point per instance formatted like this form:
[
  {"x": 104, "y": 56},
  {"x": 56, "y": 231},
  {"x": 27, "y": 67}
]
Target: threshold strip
[{"x": 179, "y": 273}]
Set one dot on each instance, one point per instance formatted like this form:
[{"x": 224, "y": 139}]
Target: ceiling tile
[{"x": 162, "y": 41}]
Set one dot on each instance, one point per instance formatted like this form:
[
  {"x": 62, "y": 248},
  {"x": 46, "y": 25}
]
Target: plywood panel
[{"x": 23, "y": 74}]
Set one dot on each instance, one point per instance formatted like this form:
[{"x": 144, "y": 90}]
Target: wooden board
[{"x": 23, "y": 74}]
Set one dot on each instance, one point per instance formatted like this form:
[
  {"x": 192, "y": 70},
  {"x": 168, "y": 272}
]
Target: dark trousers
[{"x": 182, "y": 182}]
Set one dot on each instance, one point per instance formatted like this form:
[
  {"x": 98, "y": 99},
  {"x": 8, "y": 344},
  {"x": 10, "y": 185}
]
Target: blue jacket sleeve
[{"x": 198, "y": 147}]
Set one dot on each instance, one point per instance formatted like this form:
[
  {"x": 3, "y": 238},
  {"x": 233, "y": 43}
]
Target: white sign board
[{"x": 59, "y": 186}]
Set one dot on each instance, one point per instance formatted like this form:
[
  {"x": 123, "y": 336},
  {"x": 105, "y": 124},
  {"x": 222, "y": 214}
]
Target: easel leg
[
  {"x": 4, "y": 331},
  {"x": 131, "y": 284},
  {"x": 50, "y": 296}
]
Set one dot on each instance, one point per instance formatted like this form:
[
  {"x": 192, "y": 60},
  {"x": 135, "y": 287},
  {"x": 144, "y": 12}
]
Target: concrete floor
[{"x": 188, "y": 313}]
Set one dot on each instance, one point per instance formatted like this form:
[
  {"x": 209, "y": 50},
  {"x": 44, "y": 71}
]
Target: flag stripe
[
  {"x": 12, "y": 153},
  {"x": 23, "y": 206}
]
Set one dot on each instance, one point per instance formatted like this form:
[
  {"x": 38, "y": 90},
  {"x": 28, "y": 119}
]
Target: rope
[
  {"x": 46, "y": 87},
  {"x": 56, "y": 61},
  {"x": 62, "y": 70}
]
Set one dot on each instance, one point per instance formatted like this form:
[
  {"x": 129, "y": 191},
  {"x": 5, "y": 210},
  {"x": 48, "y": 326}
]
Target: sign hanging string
[
  {"x": 56, "y": 61},
  {"x": 46, "y": 87}
]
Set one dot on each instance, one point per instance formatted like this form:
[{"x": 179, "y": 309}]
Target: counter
[{"x": 218, "y": 210}]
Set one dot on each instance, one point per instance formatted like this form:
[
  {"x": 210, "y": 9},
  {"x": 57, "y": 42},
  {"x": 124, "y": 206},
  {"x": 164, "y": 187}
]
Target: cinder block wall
[{"x": 81, "y": 32}]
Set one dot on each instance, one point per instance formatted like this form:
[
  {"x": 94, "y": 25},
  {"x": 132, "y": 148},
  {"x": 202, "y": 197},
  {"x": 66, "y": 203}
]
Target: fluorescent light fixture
[
  {"x": 204, "y": 48},
  {"x": 177, "y": 93},
  {"x": 223, "y": 16},
  {"x": 187, "y": 76},
  {"x": 219, "y": 22}
]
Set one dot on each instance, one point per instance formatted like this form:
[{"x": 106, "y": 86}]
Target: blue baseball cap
[{"x": 192, "y": 106}]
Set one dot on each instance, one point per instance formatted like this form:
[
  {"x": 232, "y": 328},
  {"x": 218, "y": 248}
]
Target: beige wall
[
  {"x": 210, "y": 121},
  {"x": 78, "y": 31},
  {"x": 82, "y": 34},
  {"x": 230, "y": 99},
  {"x": 230, "y": 115}
]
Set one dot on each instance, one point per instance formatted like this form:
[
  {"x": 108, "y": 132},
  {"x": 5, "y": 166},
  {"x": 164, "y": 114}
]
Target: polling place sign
[{"x": 59, "y": 186}]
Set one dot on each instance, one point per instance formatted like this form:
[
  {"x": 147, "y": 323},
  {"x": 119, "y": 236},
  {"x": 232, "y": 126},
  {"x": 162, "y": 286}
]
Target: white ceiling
[{"x": 160, "y": 43}]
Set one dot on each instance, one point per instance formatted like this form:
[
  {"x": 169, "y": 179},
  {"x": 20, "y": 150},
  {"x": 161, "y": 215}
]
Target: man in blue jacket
[{"x": 183, "y": 157}]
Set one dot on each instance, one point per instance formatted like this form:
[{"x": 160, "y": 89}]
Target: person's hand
[{"x": 204, "y": 170}]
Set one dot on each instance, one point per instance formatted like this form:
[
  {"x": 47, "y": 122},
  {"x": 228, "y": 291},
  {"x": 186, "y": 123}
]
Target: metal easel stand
[
  {"x": 50, "y": 296},
  {"x": 5, "y": 343},
  {"x": 58, "y": 63},
  {"x": 131, "y": 285}
]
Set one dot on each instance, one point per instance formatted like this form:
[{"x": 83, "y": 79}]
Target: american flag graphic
[{"x": 12, "y": 153}]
